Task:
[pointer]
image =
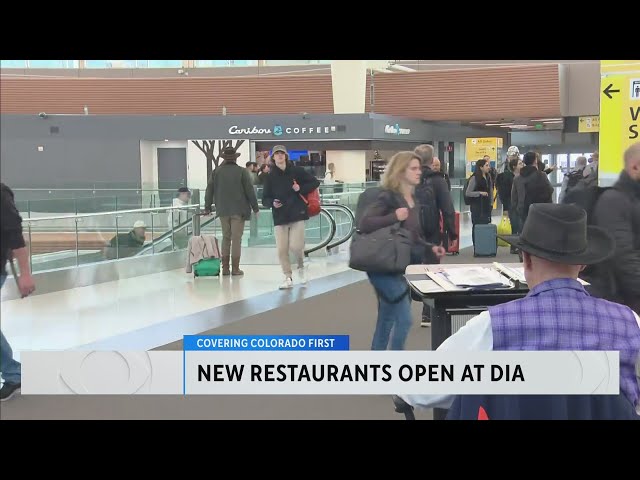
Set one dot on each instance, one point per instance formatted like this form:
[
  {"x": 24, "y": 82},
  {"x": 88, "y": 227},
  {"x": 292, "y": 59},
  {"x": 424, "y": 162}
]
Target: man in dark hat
[
  {"x": 558, "y": 313},
  {"x": 231, "y": 190}
]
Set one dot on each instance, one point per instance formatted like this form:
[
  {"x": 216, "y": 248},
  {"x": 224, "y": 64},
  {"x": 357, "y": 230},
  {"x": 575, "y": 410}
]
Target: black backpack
[
  {"x": 429, "y": 213},
  {"x": 574, "y": 178},
  {"x": 585, "y": 196},
  {"x": 467, "y": 200}
]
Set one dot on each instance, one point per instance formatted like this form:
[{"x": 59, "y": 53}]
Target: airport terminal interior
[{"x": 111, "y": 185}]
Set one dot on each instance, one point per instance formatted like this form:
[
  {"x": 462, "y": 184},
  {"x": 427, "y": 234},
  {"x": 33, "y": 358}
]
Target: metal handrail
[
  {"x": 352, "y": 219},
  {"x": 320, "y": 246},
  {"x": 116, "y": 212},
  {"x": 93, "y": 189}
]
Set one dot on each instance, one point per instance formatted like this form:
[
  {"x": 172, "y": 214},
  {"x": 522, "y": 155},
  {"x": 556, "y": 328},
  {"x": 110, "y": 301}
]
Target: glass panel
[
  {"x": 280, "y": 63},
  {"x": 244, "y": 63},
  {"x": 562, "y": 162},
  {"x": 53, "y": 63},
  {"x": 53, "y": 244},
  {"x": 13, "y": 64},
  {"x": 110, "y": 64},
  {"x": 163, "y": 63},
  {"x": 213, "y": 63}
]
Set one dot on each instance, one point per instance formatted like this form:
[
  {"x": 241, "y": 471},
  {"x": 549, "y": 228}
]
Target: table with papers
[{"x": 463, "y": 289}]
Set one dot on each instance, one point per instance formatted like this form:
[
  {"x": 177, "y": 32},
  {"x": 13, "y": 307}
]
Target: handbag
[
  {"x": 386, "y": 250},
  {"x": 312, "y": 201},
  {"x": 504, "y": 228}
]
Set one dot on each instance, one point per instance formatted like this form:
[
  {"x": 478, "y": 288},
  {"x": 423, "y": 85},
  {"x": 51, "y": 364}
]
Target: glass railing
[
  {"x": 69, "y": 241},
  {"x": 35, "y": 203}
]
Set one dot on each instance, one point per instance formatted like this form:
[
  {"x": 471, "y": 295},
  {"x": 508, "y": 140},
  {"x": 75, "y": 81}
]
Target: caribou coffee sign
[{"x": 279, "y": 130}]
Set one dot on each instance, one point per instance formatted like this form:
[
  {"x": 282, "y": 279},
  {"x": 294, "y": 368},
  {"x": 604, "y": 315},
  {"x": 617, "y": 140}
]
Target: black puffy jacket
[{"x": 278, "y": 184}]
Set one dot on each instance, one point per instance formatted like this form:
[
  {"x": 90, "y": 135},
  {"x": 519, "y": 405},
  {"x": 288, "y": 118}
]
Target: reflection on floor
[{"x": 94, "y": 314}]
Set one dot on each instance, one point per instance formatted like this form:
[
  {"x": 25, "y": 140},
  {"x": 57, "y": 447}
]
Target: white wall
[
  {"x": 351, "y": 165},
  {"x": 197, "y": 166}
]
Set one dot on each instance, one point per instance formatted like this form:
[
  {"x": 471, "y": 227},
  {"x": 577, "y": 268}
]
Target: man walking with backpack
[
  {"x": 434, "y": 197},
  {"x": 617, "y": 210}
]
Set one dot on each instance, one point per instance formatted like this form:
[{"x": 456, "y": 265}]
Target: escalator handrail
[
  {"x": 352, "y": 219},
  {"x": 322, "y": 245},
  {"x": 31, "y": 220}
]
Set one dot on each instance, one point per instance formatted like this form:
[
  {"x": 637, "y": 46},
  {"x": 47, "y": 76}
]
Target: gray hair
[{"x": 425, "y": 152}]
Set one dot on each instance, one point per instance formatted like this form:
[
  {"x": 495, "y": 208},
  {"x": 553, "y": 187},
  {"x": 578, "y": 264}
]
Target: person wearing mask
[
  {"x": 283, "y": 190},
  {"x": 557, "y": 314},
  {"x": 617, "y": 210},
  {"x": 479, "y": 191},
  {"x": 531, "y": 186},
  {"x": 12, "y": 246},
  {"x": 504, "y": 185},
  {"x": 230, "y": 188},
  {"x": 397, "y": 202}
]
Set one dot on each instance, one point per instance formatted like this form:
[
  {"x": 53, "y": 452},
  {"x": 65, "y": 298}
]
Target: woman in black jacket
[
  {"x": 395, "y": 203},
  {"x": 283, "y": 189},
  {"x": 479, "y": 190}
]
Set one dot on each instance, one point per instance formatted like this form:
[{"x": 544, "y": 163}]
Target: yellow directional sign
[
  {"x": 619, "y": 114},
  {"x": 589, "y": 124}
]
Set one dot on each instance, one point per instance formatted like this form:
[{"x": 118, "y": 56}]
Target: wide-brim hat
[
  {"x": 559, "y": 233},
  {"x": 229, "y": 153}
]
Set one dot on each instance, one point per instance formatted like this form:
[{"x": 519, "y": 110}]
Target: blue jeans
[
  {"x": 394, "y": 311},
  {"x": 9, "y": 368}
]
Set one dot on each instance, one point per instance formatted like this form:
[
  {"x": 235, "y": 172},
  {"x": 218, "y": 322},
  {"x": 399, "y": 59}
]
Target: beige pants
[
  {"x": 232, "y": 230},
  {"x": 290, "y": 238}
]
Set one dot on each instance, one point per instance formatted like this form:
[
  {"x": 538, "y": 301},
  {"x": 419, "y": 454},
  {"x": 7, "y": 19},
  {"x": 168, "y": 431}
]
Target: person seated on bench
[{"x": 557, "y": 244}]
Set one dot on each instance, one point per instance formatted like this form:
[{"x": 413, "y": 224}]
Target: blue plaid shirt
[{"x": 560, "y": 315}]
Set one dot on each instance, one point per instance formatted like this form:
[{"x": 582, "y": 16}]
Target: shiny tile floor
[{"x": 80, "y": 316}]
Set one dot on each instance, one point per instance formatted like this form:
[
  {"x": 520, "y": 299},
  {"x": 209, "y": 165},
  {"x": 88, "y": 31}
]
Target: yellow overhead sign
[
  {"x": 619, "y": 114},
  {"x": 589, "y": 124}
]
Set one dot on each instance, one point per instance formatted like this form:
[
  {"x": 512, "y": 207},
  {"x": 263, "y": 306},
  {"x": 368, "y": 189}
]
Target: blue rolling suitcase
[{"x": 486, "y": 240}]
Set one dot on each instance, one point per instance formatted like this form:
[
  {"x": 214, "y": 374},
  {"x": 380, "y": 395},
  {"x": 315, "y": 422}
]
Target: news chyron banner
[{"x": 314, "y": 365}]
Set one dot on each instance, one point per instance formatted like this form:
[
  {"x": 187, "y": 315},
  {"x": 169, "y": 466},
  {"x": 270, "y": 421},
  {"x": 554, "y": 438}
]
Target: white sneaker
[
  {"x": 303, "y": 276},
  {"x": 288, "y": 283}
]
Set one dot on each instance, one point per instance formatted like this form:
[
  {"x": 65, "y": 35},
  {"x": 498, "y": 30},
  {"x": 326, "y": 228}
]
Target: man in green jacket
[{"x": 231, "y": 190}]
